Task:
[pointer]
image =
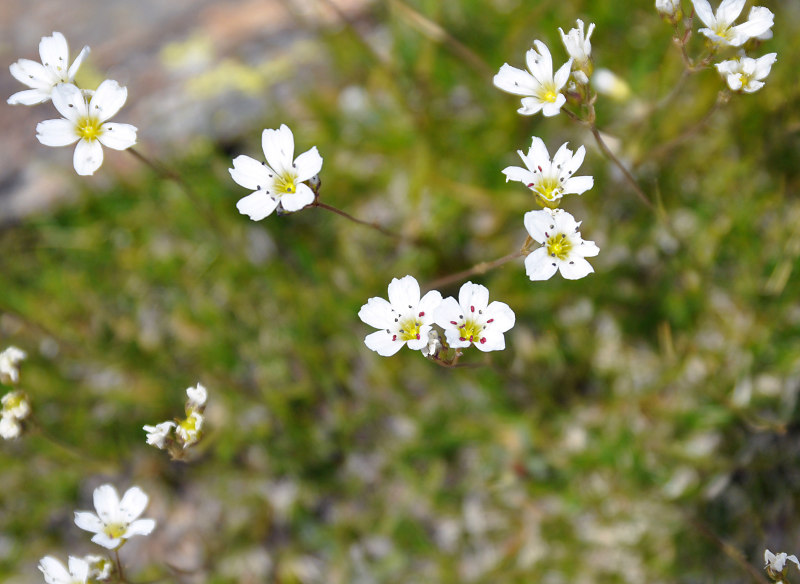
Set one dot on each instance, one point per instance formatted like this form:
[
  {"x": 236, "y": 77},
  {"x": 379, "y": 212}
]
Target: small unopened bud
[
  {"x": 315, "y": 183},
  {"x": 670, "y": 10}
]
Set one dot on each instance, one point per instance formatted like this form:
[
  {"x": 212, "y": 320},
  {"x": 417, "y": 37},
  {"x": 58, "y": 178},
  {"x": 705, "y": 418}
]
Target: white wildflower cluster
[
  {"x": 178, "y": 435},
  {"x": 85, "y": 112},
  {"x": 406, "y": 319},
  {"x": 113, "y": 522},
  {"x": 776, "y": 565},
  {"x": 742, "y": 73},
  {"x": 16, "y": 406}
]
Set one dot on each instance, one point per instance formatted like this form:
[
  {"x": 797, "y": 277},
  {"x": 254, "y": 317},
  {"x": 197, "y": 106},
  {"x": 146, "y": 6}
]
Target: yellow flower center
[
  {"x": 285, "y": 184},
  {"x": 89, "y": 128},
  {"x": 547, "y": 191},
  {"x": 115, "y": 530},
  {"x": 558, "y": 246},
  {"x": 548, "y": 93},
  {"x": 409, "y": 329}
]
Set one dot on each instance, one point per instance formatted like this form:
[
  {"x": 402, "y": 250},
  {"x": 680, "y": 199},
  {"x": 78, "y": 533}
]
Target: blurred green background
[{"x": 641, "y": 426}]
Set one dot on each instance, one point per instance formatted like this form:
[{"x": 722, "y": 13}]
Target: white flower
[
  {"x": 540, "y": 88},
  {"x": 280, "y": 179},
  {"x": 720, "y": 29},
  {"x": 10, "y": 427},
  {"x": 775, "y": 564},
  {"x": 745, "y": 74},
  {"x": 404, "y": 319},
  {"x": 189, "y": 430},
  {"x": 197, "y": 397},
  {"x": 115, "y": 521},
  {"x": 550, "y": 180},
  {"x": 43, "y": 77},
  {"x": 9, "y": 363},
  {"x": 472, "y": 320},
  {"x": 668, "y": 8},
  {"x": 609, "y": 83},
  {"x": 86, "y": 123},
  {"x": 578, "y": 45},
  {"x": 100, "y": 568},
  {"x": 157, "y": 435},
  {"x": 16, "y": 405},
  {"x": 562, "y": 247},
  {"x": 55, "y": 572}
]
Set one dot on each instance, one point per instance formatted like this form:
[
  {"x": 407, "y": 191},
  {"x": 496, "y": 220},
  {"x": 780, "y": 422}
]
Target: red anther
[
  {"x": 540, "y": 168},
  {"x": 472, "y": 308},
  {"x": 461, "y": 339},
  {"x": 422, "y": 314},
  {"x": 483, "y": 340},
  {"x": 490, "y": 320},
  {"x": 417, "y": 336},
  {"x": 394, "y": 337}
]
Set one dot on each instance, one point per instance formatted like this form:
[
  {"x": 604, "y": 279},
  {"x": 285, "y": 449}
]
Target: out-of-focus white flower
[
  {"x": 190, "y": 430},
  {"x": 86, "y": 124},
  {"x": 100, "y": 568},
  {"x": 746, "y": 74},
  {"x": 16, "y": 405},
  {"x": 578, "y": 46},
  {"x": 280, "y": 180},
  {"x": 610, "y": 84},
  {"x": 775, "y": 564},
  {"x": 670, "y": 9},
  {"x": 43, "y": 77},
  {"x": 9, "y": 364},
  {"x": 157, "y": 435},
  {"x": 10, "y": 427},
  {"x": 541, "y": 90},
  {"x": 473, "y": 321},
  {"x": 116, "y": 520},
  {"x": 197, "y": 397},
  {"x": 720, "y": 24},
  {"x": 404, "y": 320},
  {"x": 562, "y": 249},
  {"x": 55, "y": 573},
  {"x": 550, "y": 180}
]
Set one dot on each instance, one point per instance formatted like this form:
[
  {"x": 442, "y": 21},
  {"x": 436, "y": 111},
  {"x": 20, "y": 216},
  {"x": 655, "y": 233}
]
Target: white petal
[
  {"x": 140, "y": 527},
  {"x": 427, "y": 307},
  {"x": 473, "y": 297},
  {"x": 753, "y": 86},
  {"x": 550, "y": 108},
  {"x": 257, "y": 205},
  {"x": 562, "y": 75},
  {"x": 106, "y": 541},
  {"x": 448, "y": 312},
  {"x": 761, "y": 20},
  {"x": 56, "y": 132},
  {"x": 32, "y": 74},
  {"x": 295, "y": 201},
  {"x": 73, "y": 70},
  {"x": 106, "y": 503},
  {"x": 54, "y": 53},
  {"x": 539, "y": 224},
  {"x": 577, "y": 185},
  {"x": 88, "y": 157},
  {"x": 530, "y": 106},
  {"x": 703, "y": 10},
  {"x": 251, "y": 174},
  {"x": 404, "y": 293},
  {"x": 308, "y": 164},
  {"x": 491, "y": 340},
  {"x": 78, "y": 568},
  {"x": 69, "y": 101},
  {"x": 522, "y": 175},
  {"x": 29, "y": 97},
  {"x": 453, "y": 337},
  {"x": 88, "y": 521},
  {"x": 575, "y": 268},
  {"x": 117, "y": 136},
  {"x": 377, "y": 313},
  {"x": 278, "y": 148},
  {"x": 107, "y": 100},
  {"x": 54, "y": 571},
  {"x": 729, "y": 10},
  {"x": 542, "y": 65},
  {"x": 586, "y": 249},
  {"x": 516, "y": 81},
  {"x": 133, "y": 503},
  {"x": 381, "y": 342},
  {"x": 539, "y": 265},
  {"x": 502, "y": 316}
]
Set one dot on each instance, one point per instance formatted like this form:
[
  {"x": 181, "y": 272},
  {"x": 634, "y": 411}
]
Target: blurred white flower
[
  {"x": 720, "y": 29},
  {"x": 197, "y": 397},
  {"x": 55, "y": 573},
  {"x": 16, "y": 405},
  {"x": 190, "y": 430},
  {"x": 609, "y": 83},
  {"x": 578, "y": 46},
  {"x": 550, "y": 180},
  {"x": 404, "y": 320},
  {"x": 9, "y": 364},
  {"x": 86, "y": 123},
  {"x": 100, "y": 568},
  {"x": 775, "y": 564},
  {"x": 115, "y": 521},
  {"x": 280, "y": 180},
  {"x": 562, "y": 249},
  {"x": 10, "y": 427},
  {"x": 668, "y": 8},
  {"x": 746, "y": 74},
  {"x": 472, "y": 320},
  {"x": 541, "y": 90},
  {"x": 43, "y": 77},
  {"x": 157, "y": 435}
]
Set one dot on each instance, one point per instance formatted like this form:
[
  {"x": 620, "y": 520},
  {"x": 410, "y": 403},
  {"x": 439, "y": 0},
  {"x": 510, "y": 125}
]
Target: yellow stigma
[
  {"x": 89, "y": 128},
  {"x": 548, "y": 93},
  {"x": 285, "y": 184},
  {"x": 558, "y": 246},
  {"x": 409, "y": 329},
  {"x": 115, "y": 530}
]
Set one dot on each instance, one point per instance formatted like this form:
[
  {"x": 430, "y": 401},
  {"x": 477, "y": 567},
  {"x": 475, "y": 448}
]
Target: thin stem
[
  {"x": 373, "y": 225},
  {"x": 729, "y": 550},
  {"x": 120, "y": 574},
  {"x": 626, "y": 173},
  {"x": 475, "y": 270}
]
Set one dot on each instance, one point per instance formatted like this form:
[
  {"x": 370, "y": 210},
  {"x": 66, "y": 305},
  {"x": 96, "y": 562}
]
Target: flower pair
[
  {"x": 407, "y": 319},
  {"x": 176, "y": 436},
  {"x": 85, "y": 112}
]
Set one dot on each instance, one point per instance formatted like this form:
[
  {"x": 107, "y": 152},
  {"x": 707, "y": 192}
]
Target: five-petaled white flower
[
  {"x": 197, "y": 397},
  {"x": 55, "y": 573},
  {"x": 746, "y": 74},
  {"x": 540, "y": 88},
  {"x": 562, "y": 249},
  {"x": 9, "y": 364},
  {"x": 404, "y": 320},
  {"x": 775, "y": 564},
  {"x": 550, "y": 180},
  {"x": 578, "y": 46},
  {"x": 43, "y": 77},
  {"x": 157, "y": 435},
  {"x": 473, "y": 321},
  {"x": 720, "y": 29},
  {"x": 86, "y": 123},
  {"x": 116, "y": 521},
  {"x": 280, "y": 180}
]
